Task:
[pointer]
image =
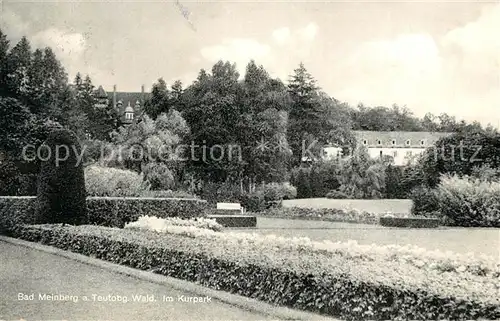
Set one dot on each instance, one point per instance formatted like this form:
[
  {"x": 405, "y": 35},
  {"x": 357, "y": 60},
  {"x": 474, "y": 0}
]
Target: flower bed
[
  {"x": 153, "y": 223},
  {"x": 345, "y": 280},
  {"x": 327, "y": 214}
]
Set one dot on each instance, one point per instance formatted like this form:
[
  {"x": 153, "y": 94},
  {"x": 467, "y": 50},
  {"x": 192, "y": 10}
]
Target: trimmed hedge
[
  {"x": 318, "y": 283},
  {"x": 116, "y": 211},
  {"x": 106, "y": 211},
  {"x": 415, "y": 222}
]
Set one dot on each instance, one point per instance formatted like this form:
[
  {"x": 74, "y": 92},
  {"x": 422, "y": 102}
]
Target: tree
[
  {"x": 17, "y": 64},
  {"x": 4, "y": 50},
  {"x": 159, "y": 101},
  {"x": 61, "y": 196},
  {"x": 212, "y": 111},
  {"x": 361, "y": 176}
]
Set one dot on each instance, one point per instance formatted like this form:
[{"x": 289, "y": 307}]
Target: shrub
[
  {"x": 253, "y": 202},
  {"x": 342, "y": 280},
  {"x": 424, "y": 200},
  {"x": 15, "y": 211},
  {"x": 469, "y": 201},
  {"x": 159, "y": 176},
  {"x": 106, "y": 211},
  {"x": 337, "y": 195},
  {"x": 214, "y": 192},
  {"x": 61, "y": 189},
  {"x": 277, "y": 191},
  {"x": 107, "y": 181}
]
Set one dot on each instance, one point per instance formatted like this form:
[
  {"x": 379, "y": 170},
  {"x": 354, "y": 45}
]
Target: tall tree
[
  {"x": 4, "y": 50},
  {"x": 18, "y": 62},
  {"x": 159, "y": 101},
  {"x": 305, "y": 113}
]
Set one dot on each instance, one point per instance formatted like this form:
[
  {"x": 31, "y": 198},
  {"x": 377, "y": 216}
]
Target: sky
[{"x": 429, "y": 56}]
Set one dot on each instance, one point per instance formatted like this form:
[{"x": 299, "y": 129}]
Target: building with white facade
[{"x": 401, "y": 146}]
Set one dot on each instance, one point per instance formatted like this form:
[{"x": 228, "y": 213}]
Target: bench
[{"x": 229, "y": 209}]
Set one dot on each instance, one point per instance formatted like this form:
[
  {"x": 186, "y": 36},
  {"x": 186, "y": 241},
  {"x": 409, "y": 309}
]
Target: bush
[
  {"x": 15, "y": 211},
  {"x": 106, "y": 211},
  {"x": 294, "y": 272},
  {"x": 469, "y": 201},
  {"x": 159, "y": 176},
  {"x": 61, "y": 188},
  {"x": 424, "y": 201},
  {"x": 277, "y": 191},
  {"x": 253, "y": 202},
  {"x": 220, "y": 192},
  {"x": 337, "y": 195},
  {"x": 107, "y": 181}
]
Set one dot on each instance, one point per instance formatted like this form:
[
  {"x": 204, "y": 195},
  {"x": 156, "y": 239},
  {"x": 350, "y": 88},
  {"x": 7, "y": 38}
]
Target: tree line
[{"x": 269, "y": 119}]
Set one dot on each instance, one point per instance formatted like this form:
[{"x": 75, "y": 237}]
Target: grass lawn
[{"x": 460, "y": 240}]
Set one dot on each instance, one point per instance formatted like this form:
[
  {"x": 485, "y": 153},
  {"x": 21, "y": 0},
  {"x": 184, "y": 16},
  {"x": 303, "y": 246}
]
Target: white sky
[{"x": 432, "y": 57}]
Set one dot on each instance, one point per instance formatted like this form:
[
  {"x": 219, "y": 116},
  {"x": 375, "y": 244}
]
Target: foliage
[
  {"x": 107, "y": 181},
  {"x": 361, "y": 176},
  {"x": 460, "y": 154},
  {"x": 424, "y": 201},
  {"x": 165, "y": 225},
  {"x": 106, "y": 211},
  {"x": 295, "y": 272},
  {"x": 336, "y": 195},
  {"x": 469, "y": 201},
  {"x": 159, "y": 176},
  {"x": 61, "y": 189}
]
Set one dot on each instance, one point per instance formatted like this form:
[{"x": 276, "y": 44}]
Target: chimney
[
  {"x": 114, "y": 96},
  {"x": 142, "y": 95}
]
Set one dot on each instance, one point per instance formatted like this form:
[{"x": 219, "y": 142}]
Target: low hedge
[
  {"x": 106, "y": 211},
  {"x": 328, "y": 284},
  {"x": 414, "y": 222}
]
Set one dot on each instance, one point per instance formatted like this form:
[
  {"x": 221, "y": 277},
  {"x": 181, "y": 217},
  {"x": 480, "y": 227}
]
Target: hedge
[
  {"x": 333, "y": 285},
  {"x": 106, "y": 211},
  {"x": 415, "y": 222}
]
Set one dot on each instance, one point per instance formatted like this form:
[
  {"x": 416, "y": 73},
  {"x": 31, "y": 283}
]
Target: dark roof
[
  {"x": 129, "y": 97},
  {"x": 401, "y": 138}
]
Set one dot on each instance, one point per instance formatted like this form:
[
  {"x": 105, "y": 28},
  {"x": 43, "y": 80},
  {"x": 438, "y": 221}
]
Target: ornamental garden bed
[{"x": 344, "y": 280}]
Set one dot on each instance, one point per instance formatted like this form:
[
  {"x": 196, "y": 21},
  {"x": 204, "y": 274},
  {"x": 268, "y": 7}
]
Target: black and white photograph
[{"x": 230, "y": 160}]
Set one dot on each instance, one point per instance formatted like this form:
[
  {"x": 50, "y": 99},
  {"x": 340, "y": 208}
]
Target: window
[
  {"x": 394, "y": 142},
  {"x": 380, "y": 153},
  {"x": 408, "y": 142},
  {"x": 129, "y": 116},
  {"x": 409, "y": 153},
  {"x": 422, "y": 142},
  {"x": 379, "y": 142},
  {"x": 395, "y": 154},
  {"x": 365, "y": 142}
]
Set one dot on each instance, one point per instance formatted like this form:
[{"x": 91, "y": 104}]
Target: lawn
[{"x": 460, "y": 240}]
